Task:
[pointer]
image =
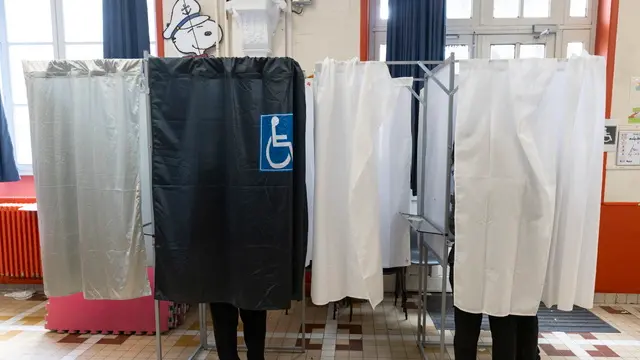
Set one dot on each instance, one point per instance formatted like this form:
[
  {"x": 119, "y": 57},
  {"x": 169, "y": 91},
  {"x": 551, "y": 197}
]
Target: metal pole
[
  {"x": 421, "y": 199},
  {"x": 423, "y": 273},
  {"x": 303, "y": 316},
  {"x": 447, "y": 211},
  {"x": 158, "y": 334},
  {"x": 425, "y": 281},
  {"x": 216, "y": 16},
  {"x": 288, "y": 29},
  {"x": 156, "y": 303},
  {"x": 228, "y": 24},
  {"x": 202, "y": 320},
  {"x": 202, "y": 312},
  {"x": 421, "y": 288}
]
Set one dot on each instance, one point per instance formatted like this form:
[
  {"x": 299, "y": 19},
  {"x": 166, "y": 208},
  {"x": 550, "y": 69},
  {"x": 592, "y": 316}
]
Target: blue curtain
[
  {"x": 8, "y": 168},
  {"x": 416, "y": 30},
  {"x": 125, "y": 25}
]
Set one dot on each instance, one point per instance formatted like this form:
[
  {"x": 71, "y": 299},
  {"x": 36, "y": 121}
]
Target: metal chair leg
[
  {"x": 404, "y": 293},
  {"x": 350, "y": 309}
]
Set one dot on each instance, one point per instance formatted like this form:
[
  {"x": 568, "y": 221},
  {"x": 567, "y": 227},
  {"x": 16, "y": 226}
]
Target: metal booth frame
[
  {"x": 439, "y": 240},
  {"x": 431, "y": 237}
]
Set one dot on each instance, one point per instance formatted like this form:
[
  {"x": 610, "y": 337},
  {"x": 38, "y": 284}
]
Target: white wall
[
  {"x": 328, "y": 28},
  {"x": 622, "y": 185}
]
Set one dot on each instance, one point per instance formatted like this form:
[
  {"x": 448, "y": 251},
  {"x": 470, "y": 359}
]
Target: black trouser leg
[
  {"x": 465, "y": 340},
  {"x": 527, "y": 337},
  {"x": 503, "y": 337},
  {"x": 255, "y": 331},
  {"x": 225, "y": 330},
  {"x": 467, "y": 330}
]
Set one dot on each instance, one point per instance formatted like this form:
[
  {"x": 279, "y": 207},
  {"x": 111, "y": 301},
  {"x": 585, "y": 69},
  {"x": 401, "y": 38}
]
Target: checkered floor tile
[{"x": 382, "y": 334}]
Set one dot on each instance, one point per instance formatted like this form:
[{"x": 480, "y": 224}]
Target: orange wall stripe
[
  {"x": 365, "y": 29},
  {"x": 159, "y": 28},
  {"x": 618, "y": 269},
  {"x": 606, "y": 34}
]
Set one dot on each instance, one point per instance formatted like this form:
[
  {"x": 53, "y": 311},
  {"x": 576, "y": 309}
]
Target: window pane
[
  {"x": 384, "y": 9},
  {"x": 506, "y": 8},
  {"x": 22, "y": 140},
  {"x": 528, "y": 51},
  {"x": 82, "y": 20},
  {"x": 382, "y": 52},
  {"x": 84, "y": 52},
  {"x": 17, "y": 53},
  {"x": 459, "y": 9},
  {"x": 28, "y": 20},
  {"x": 503, "y": 51},
  {"x": 536, "y": 8},
  {"x": 151, "y": 9},
  {"x": 461, "y": 52},
  {"x": 578, "y": 8},
  {"x": 574, "y": 48}
]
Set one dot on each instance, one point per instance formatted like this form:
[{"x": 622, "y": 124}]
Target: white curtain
[
  {"x": 525, "y": 133},
  {"x": 394, "y": 169},
  {"x": 571, "y": 271},
  {"x": 85, "y": 137},
  {"x": 352, "y": 101},
  {"x": 436, "y": 155},
  {"x": 436, "y": 152}
]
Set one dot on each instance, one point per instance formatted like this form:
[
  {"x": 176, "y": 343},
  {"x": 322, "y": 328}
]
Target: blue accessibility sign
[{"x": 276, "y": 142}]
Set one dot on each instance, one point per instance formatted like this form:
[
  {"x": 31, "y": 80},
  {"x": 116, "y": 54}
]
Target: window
[
  {"x": 503, "y": 52},
  {"x": 382, "y": 52},
  {"x": 461, "y": 52},
  {"x": 459, "y": 9},
  {"x": 384, "y": 10},
  {"x": 574, "y": 48},
  {"x": 505, "y": 29},
  {"x": 521, "y": 8},
  {"x": 578, "y": 8},
  {"x": 56, "y": 29}
]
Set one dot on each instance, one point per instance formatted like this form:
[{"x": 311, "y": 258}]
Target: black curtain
[
  {"x": 8, "y": 168},
  {"x": 416, "y": 30},
  {"x": 125, "y": 25}
]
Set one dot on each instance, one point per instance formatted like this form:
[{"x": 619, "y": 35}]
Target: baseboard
[{"x": 613, "y": 299}]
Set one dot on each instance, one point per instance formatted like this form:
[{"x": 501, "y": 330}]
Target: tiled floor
[{"x": 379, "y": 334}]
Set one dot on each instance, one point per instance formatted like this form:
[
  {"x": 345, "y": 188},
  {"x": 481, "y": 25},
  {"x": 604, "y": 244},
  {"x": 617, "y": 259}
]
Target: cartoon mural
[{"x": 191, "y": 32}]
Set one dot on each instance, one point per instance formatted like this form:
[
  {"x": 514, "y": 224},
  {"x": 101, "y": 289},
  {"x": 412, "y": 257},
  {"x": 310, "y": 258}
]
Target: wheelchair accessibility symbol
[{"x": 276, "y": 146}]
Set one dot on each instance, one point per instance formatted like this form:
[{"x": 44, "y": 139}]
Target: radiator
[{"x": 19, "y": 242}]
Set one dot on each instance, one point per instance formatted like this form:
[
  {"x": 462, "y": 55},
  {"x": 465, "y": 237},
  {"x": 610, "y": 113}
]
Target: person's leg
[
  {"x": 527, "y": 337},
  {"x": 465, "y": 340},
  {"x": 225, "y": 330},
  {"x": 467, "y": 330},
  {"x": 255, "y": 332},
  {"x": 503, "y": 337}
]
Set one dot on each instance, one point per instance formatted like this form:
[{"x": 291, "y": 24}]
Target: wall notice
[
  {"x": 628, "y": 148},
  {"x": 634, "y": 100}
]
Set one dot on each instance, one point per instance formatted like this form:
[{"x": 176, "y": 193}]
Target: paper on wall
[{"x": 634, "y": 100}]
